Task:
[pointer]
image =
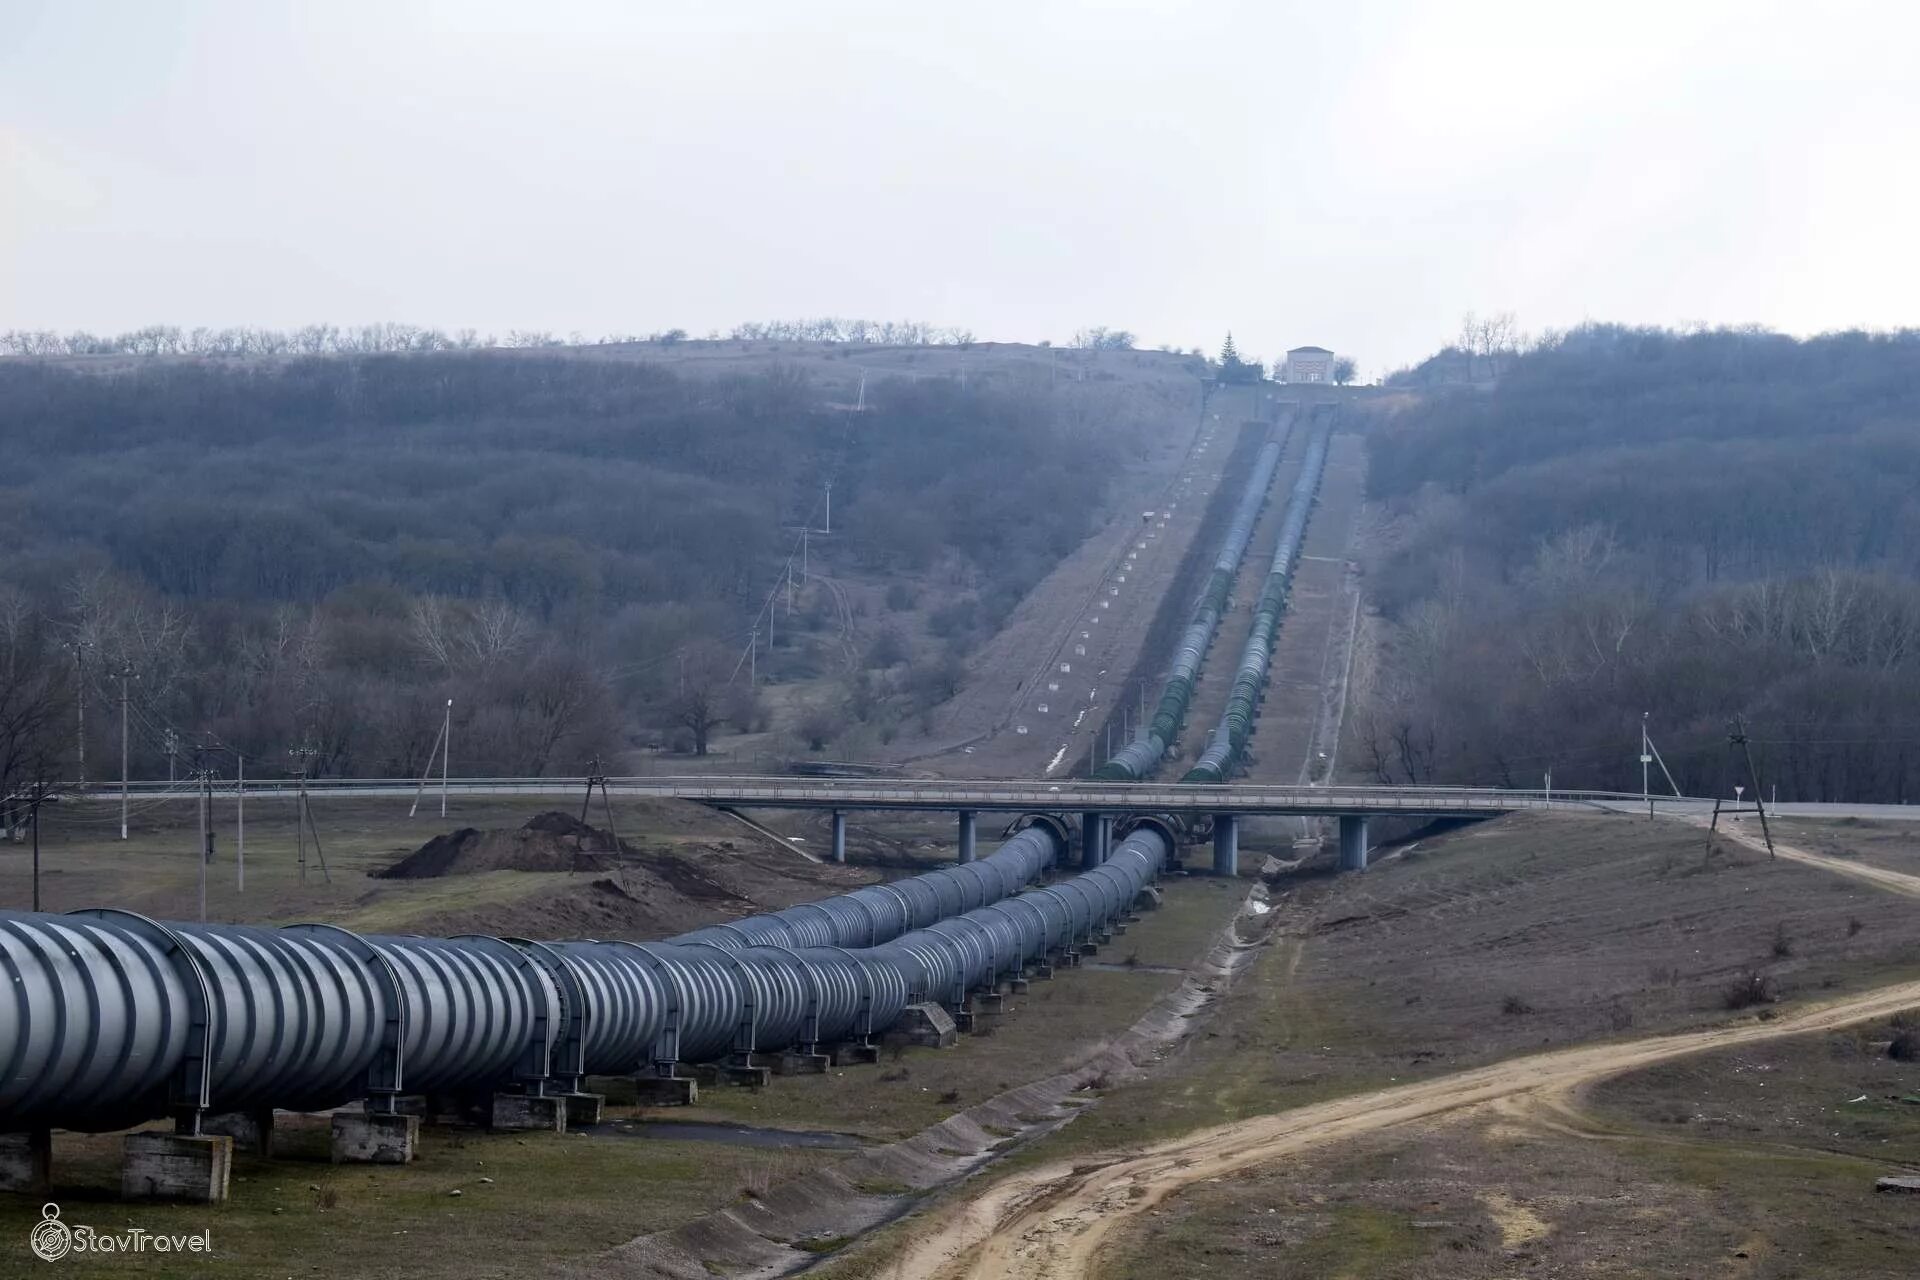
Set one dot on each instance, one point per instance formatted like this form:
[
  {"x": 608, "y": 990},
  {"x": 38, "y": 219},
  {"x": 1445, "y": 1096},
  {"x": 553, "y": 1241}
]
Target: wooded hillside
[
  {"x": 1694, "y": 526},
  {"x": 324, "y": 549}
]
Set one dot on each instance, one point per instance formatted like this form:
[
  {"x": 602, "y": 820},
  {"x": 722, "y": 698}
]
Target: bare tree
[
  {"x": 36, "y": 696},
  {"x": 698, "y": 700}
]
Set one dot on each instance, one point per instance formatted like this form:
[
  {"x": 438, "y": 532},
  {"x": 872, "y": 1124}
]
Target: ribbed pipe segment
[
  {"x": 881, "y": 912},
  {"x": 116, "y": 1019},
  {"x": 1138, "y": 760},
  {"x": 1222, "y": 755},
  {"x": 977, "y": 948}
]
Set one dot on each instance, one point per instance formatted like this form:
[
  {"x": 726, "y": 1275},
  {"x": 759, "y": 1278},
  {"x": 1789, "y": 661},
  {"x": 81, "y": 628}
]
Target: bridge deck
[{"x": 938, "y": 795}]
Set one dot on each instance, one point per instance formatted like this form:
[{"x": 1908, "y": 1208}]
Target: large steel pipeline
[
  {"x": 974, "y": 950},
  {"x": 881, "y": 912},
  {"x": 1223, "y": 753},
  {"x": 1138, "y": 760},
  {"x": 117, "y": 1019}
]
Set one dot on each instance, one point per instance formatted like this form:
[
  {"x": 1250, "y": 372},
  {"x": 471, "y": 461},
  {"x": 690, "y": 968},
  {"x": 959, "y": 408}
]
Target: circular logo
[{"x": 51, "y": 1237}]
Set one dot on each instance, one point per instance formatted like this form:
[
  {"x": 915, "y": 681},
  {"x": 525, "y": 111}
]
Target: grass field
[
  {"x": 157, "y": 872},
  {"x": 1881, "y": 843},
  {"x": 551, "y": 1196},
  {"x": 1756, "y": 1162},
  {"x": 1055, "y": 1024},
  {"x": 1492, "y": 942},
  {"x": 558, "y": 1198}
]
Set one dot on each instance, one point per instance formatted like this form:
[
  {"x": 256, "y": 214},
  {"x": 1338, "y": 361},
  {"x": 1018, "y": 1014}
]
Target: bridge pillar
[
  {"x": 966, "y": 835},
  {"x": 1353, "y": 842},
  {"x": 1226, "y": 844},
  {"x": 1093, "y": 839},
  {"x": 839, "y": 835}
]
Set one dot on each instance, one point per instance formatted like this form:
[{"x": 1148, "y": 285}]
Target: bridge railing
[{"x": 854, "y": 792}]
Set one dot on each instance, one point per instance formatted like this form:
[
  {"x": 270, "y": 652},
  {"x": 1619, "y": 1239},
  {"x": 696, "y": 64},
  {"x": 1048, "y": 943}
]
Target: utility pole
[
  {"x": 79, "y": 648},
  {"x": 753, "y": 662},
  {"x": 205, "y": 777},
  {"x": 299, "y": 814},
  {"x": 173, "y": 751},
  {"x": 442, "y": 747},
  {"x": 446, "y": 754},
  {"x": 1646, "y": 759},
  {"x": 597, "y": 777},
  {"x": 1738, "y": 738},
  {"x": 239, "y": 822},
  {"x": 303, "y": 816},
  {"x": 126, "y": 674},
  {"x": 35, "y": 798},
  {"x": 829, "y": 521},
  {"x": 804, "y": 532}
]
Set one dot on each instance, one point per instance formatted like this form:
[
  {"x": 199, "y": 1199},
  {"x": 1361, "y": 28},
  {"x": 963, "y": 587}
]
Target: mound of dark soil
[{"x": 551, "y": 841}]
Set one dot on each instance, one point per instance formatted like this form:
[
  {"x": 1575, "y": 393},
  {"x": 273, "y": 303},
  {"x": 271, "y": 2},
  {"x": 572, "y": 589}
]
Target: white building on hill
[{"x": 1309, "y": 364}]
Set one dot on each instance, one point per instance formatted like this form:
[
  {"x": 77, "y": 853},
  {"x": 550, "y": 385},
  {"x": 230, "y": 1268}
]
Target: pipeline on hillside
[
  {"x": 116, "y": 1019},
  {"x": 1137, "y": 761},
  {"x": 1223, "y": 754}
]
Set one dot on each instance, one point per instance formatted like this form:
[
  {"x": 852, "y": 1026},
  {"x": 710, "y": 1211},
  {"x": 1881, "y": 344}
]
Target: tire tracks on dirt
[
  {"x": 1052, "y": 1222},
  {"x": 1880, "y": 877}
]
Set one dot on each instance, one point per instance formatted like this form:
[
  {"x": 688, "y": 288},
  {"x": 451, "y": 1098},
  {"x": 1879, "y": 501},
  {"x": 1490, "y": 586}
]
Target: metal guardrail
[{"x": 865, "y": 793}]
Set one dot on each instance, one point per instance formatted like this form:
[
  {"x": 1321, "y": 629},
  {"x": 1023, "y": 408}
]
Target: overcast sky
[{"x": 1355, "y": 175}]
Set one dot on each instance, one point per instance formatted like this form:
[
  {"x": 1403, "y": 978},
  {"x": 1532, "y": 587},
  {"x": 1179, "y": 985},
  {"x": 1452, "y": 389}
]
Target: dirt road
[
  {"x": 1879, "y": 877},
  {"x": 1051, "y": 1223}
]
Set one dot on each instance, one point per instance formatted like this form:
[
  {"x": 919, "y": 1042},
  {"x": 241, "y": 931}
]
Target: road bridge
[{"x": 1215, "y": 809}]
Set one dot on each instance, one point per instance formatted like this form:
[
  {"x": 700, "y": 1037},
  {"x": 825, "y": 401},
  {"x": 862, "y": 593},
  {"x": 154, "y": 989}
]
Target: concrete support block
[
  {"x": 361, "y": 1137},
  {"x": 1226, "y": 844},
  {"x": 1118, "y": 928},
  {"x": 839, "y": 835},
  {"x": 665, "y": 1091},
  {"x": 1093, "y": 850},
  {"x": 583, "y": 1108},
  {"x": 1089, "y": 948},
  {"x": 801, "y": 1064},
  {"x": 176, "y": 1166},
  {"x": 26, "y": 1161},
  {"x": 746, "y": 1076},
  {"x": 1148, "y": 899},
  {"x": 968, "y": 842},
  {"x": 848, "y": 1055},
  {"x": 925, "y": 1024},
  {"x": 1353, "y": 842},
  {"x": 1017, "y": 987},
  {"x": 251, "y": 1131},
  {"x": 988, "y": 1002},
  {"x": 527, "y": 1113},
  {"x": 1042, "y": 972}
]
